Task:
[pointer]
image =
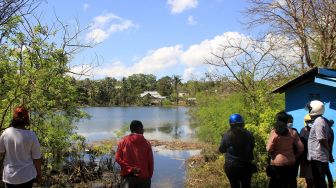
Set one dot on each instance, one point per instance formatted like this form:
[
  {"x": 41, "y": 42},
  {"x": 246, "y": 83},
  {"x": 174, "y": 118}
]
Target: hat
[
  {"x": 21, "y": 112},
  {"x": 307, "y": 121}
]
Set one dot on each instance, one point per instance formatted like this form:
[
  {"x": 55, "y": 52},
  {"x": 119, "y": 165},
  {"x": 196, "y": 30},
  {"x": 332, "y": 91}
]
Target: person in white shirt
[{"x": 22, "y": 164}]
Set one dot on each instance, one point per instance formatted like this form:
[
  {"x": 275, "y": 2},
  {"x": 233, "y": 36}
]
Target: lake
[{"x": 159, "y": 123}]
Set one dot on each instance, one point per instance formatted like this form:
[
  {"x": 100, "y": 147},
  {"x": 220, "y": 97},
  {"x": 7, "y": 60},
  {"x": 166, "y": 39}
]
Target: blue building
[{"x": 316, "y": 84}]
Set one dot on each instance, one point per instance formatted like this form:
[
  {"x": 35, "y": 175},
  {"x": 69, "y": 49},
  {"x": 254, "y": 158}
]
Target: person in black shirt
[{"x": 238, "y": 145}]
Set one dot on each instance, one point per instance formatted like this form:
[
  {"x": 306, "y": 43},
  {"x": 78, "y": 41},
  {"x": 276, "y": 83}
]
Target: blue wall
[{"x": 298, "y": 97}]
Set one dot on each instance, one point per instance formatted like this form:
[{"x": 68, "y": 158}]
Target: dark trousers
[
  {"x": 329, "y": 178},
  {"x": 283, "y": 177},
  {"x": 239, "y": 176},
  {"x": 135, "y": 182},
  {"x": 319, "y": 170},
  {"x": 28, "y": 184}
]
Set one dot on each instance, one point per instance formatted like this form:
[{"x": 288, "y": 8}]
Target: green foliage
[
  {"x": 123, "y": 131},
  {"x": 211, "y": 115},
  {"x": 55, "y": 135},
  {"x": 166, "y": 102},
  {"x": 164, "y": 86},
  {"x": 34, "y": 72}
]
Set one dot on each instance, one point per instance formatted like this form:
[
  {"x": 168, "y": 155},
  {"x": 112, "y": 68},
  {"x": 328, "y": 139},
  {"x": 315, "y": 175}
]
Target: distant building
[
  {"x": 155, "y": 97},
  {"x": 182, "y": 94}
]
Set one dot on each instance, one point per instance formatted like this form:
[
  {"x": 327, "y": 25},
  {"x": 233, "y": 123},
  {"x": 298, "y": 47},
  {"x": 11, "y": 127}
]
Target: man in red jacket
[{"x": 135, "y": 157}]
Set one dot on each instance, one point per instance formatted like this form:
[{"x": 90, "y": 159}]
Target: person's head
[
  {"x": 236, "y": 120},
  {"x": 280, "y": 125},
  {"x": 308, "y": 122},
  {"x": 20, "y": 117},
  {"x": 315, "y": 108},
  {"x": 136, "y": 127},
  {"x": 290, "y": 121}
]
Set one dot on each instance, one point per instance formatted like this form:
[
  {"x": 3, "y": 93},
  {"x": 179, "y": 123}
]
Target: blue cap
[{"x": 236, "y": 119}]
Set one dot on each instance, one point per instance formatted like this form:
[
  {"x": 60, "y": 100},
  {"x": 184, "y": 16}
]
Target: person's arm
[
  {"x": 270, "y": 143},
  {"x": 123, "y": 164},
  {"x": 322, "y": 132},
  {"x": 331, "y": 143},
  {"x": 299, "y": 146},
  {"x": 324, "y": 143},
  {"x": 150, "y": 161},
  {"x": 224, "y": 144},
  {"x": 252, "y": 146},
  {"x": 36, "y": 157},
  {"x": 37, "y": 164}
]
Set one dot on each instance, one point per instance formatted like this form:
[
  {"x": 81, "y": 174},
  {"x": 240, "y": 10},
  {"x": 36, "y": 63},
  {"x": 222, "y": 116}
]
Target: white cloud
[
  {"x": 121, "y": 26},
  {"x": 154, "y": 61},
  {"x": 178, "y": 6},
  {"x": 159, "y": 59},
  {"x": 191, "y": 59},
  {"x": 191, "y": 73},
  {"x": 97, "y": 35},
  {"x": 196, "y": 54},
  {"x": 85, "y": 6},
  {"x": 191, "y": 20},
  {"x": 105, "y": 25},
  {"x": 167, "y": 58}
]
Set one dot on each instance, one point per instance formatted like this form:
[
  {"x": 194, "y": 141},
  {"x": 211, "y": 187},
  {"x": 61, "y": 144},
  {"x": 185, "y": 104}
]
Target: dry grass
[
  {"x": 205, "y": 174},
  {"x": 177, "y": 145}
]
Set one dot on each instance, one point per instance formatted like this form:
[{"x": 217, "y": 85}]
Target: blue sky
[{"x": 160, "y": 37}]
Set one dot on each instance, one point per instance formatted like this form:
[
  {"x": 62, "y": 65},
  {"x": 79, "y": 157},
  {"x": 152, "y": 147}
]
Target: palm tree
[{"x": 176, "y": 81}]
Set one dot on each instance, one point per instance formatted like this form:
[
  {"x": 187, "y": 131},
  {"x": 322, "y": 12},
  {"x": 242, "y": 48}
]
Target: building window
[{"x": 314, "y": 96}]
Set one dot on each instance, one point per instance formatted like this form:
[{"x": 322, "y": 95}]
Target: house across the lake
[{"x": 154, "y": 97}]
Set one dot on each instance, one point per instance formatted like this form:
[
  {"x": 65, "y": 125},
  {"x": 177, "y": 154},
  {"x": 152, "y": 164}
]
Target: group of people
[
  {"x": 22, "y": 155},
  {"x": 307, "y": 153},
  {"x": 310, "y": 151}
]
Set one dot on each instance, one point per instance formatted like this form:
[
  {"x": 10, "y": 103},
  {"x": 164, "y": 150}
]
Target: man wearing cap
[
  {"x": 22, "y": 164},
  {"x": 135, "y": 157},
  {"x": 318, "y": 146}
]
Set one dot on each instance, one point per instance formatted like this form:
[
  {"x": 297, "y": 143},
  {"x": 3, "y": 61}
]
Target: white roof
[{"x": 154, "y": 94}]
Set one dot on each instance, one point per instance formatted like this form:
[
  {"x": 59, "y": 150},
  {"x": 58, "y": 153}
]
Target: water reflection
[
  {"x": 170, "y": 170},
  {"x": 159, "y": 123}
]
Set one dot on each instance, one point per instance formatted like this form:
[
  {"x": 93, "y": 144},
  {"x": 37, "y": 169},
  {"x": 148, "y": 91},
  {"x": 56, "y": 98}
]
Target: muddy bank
[
  {"x": 172, "y": 145},
  {"x": 171, "y": 161}
]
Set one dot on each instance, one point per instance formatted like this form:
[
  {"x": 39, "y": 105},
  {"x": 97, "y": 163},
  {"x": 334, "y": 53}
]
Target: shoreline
[{"x": 171, "y": 145}]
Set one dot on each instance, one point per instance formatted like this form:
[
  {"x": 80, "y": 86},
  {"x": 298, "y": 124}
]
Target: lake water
[{"x": 159, "y": 123}]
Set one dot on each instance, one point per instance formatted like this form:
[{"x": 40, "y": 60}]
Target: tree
[
  {"x": 310, "y": 24},
  {"x": 12, "y": 8},
  {"x": 176, "y": 81},
  {"x": 34, "y": 71},
  {"x": 164, "y": 86},
  {"x": 251, "y": 66}
]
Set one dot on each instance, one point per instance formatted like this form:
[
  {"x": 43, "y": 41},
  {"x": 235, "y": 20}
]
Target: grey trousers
[{"x": 135, "y": 182}]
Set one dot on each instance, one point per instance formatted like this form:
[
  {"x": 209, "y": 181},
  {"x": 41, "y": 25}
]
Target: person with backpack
[
  {"x": 305, "y": 168},
  {"x": 280, "y": 146},
  {"x": 318, "y": 146},
  {"x": 238, "y": 144}
]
